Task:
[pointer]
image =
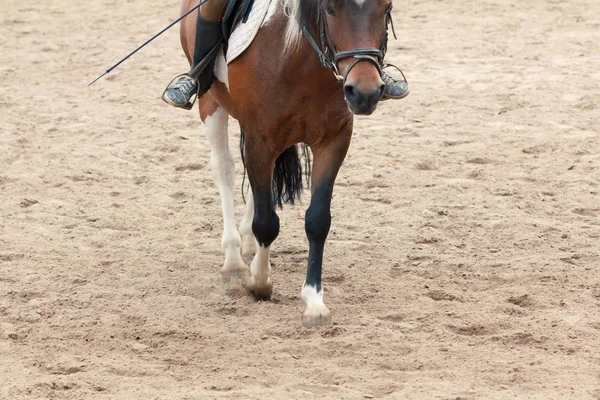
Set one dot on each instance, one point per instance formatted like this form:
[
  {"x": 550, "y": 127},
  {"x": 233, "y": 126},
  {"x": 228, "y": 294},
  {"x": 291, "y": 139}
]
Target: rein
[{"x": 330, "y": 57}]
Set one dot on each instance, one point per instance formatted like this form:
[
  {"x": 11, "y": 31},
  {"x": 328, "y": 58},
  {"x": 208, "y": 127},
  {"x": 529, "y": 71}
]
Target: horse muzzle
[
  {"x": 363, "y": 101},
  {"x": 363, "y": 86}
]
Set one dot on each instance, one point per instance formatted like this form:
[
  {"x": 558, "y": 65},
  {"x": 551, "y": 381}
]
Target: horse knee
[
  {"x": 265, "y": 227},
  {"x": 317, "y": 222},
  {"x": 231, "y": 238}
]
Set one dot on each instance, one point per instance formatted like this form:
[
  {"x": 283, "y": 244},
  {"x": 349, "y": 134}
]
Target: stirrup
[
  {"x": 190, "y": 102},
  {"x": 388, "y": 65}
]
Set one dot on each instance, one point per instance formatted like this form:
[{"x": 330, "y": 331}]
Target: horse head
[{"x": 352, "y": 36}]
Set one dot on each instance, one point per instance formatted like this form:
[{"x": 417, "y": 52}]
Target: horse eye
[{"x": 330, "y": 10}]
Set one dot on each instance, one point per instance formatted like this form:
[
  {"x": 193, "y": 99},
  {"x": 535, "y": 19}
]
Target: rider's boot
[
  {"x": 185, "y": 89},
  {"x": 396, "y": 88}
]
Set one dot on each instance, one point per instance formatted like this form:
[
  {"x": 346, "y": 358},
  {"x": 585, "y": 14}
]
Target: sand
[{"x": 463, "y": 261}]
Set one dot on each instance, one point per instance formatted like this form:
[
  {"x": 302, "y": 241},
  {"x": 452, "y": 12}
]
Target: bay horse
[{"x": 283, "y": 92}]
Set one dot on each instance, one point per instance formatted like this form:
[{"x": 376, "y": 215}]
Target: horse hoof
[
  {"x": 233, "y": 269},
  {"x": 260, "y": 290},
  {"x": 316, "y": 318}
]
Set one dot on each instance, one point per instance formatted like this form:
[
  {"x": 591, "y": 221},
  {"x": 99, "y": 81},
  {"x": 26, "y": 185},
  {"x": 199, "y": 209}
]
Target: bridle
[{"x": 330, "y": 57}]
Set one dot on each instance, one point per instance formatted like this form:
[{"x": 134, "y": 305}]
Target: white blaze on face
[{"x": 360, "y": 2}]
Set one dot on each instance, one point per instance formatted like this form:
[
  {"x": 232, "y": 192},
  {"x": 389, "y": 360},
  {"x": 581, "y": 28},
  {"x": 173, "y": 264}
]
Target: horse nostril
[
  {"x": 382, "y": 89},
  {"x": 350, "y": 92}
]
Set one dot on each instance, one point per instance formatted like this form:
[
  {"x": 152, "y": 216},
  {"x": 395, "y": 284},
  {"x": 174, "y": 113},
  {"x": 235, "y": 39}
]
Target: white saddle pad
[{"x": 244, "y": 33}]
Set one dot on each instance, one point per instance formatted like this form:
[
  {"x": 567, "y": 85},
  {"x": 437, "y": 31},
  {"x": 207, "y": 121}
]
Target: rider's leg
[
  {"x": 209, "y": 36},
  {"x": 212, "y": 10},
  {"x": 396, "y": 88}
]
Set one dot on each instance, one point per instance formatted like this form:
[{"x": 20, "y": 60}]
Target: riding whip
[{"x": 148, "y": 41}]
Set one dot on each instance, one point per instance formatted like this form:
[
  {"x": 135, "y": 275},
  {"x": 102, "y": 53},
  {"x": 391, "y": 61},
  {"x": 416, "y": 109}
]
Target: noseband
[{"x": 330, "y": 57}]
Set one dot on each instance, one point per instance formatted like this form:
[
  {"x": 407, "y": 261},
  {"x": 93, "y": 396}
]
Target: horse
[{"x": 289, "y": 88}]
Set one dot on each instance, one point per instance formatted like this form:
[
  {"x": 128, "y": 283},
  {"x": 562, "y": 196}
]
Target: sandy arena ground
[{"x": 463, "y": 262}]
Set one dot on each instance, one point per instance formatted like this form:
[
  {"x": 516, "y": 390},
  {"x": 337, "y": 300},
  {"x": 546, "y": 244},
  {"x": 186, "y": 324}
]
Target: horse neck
[{"x": 303, "y": 62}]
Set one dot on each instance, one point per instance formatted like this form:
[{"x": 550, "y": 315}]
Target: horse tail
[
  {"x": 288, "y": 173},
  {"x": 287, "y": 177}
]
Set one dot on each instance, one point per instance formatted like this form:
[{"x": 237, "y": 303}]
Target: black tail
[{"x": 287, "y": 175}]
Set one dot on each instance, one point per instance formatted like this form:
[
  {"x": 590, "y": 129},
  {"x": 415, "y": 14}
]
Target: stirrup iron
[{"x": 190, "y": 102}]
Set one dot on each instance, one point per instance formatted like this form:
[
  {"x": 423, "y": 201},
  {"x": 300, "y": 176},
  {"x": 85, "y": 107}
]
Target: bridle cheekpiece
[{"x": 330, "y": 57}]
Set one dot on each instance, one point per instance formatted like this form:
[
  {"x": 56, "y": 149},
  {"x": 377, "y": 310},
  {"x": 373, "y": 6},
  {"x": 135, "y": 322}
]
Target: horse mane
[{"x": 298, "y": 12}]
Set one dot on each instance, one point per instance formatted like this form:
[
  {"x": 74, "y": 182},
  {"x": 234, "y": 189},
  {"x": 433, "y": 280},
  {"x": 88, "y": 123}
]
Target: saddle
[{"x": 235, "y": 12}]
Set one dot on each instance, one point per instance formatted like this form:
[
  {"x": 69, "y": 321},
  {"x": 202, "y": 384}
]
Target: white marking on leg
[
  {"x": 261, "y": 267},
  {"x": 221, "y": 70},
  {"x": 316, "y": 313},
  {"x": 259, "y": 280},
  {"x": 248, "y": 240},
  {"x": 223, "y": 169},
  {"x": 312, "y": 297}
]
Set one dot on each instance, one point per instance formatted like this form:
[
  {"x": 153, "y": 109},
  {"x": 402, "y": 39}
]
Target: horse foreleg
[
  {"x": 265, "y": 222},
  {"x": 248, "y": 239},
  {"x": 223, "y": 168},
  {"x": 327, "y": 161}
]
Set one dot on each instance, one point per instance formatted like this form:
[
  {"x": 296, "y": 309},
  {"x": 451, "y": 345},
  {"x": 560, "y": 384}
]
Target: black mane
[{"x": 310, "y": 10}]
